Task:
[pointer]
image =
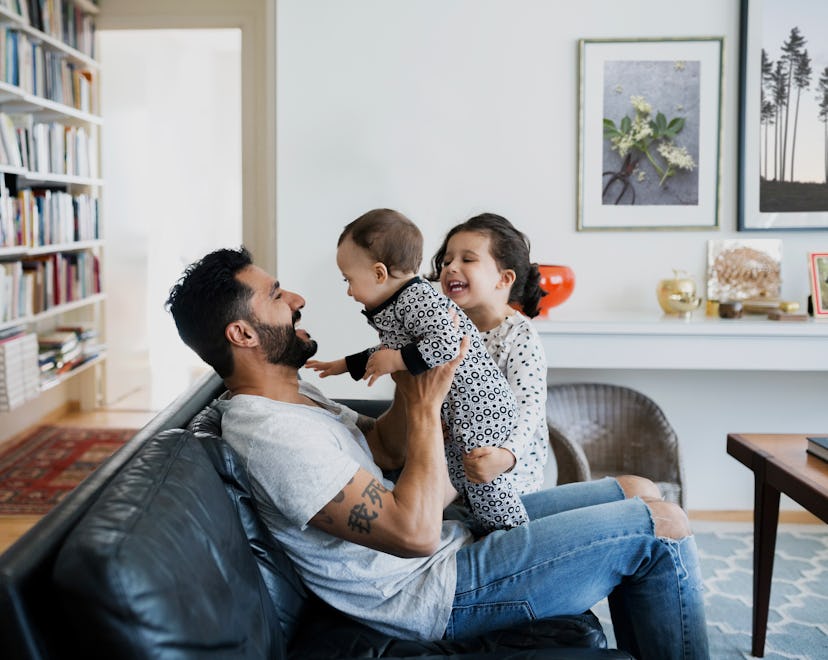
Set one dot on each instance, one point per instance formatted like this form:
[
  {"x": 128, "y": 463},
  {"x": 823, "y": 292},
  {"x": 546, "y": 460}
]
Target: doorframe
[{"x": 257, "y": 21}]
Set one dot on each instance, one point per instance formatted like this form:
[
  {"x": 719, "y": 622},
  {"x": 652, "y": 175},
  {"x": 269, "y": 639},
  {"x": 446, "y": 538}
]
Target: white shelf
[
  {"x": 55, "y": 311},
  {"x": 18, "y": 99},
  {"x": 653, "y": 341},
  {"x": 23, "y": 251},
  {"x": 62, "y": 378},
  {"x": 60, "y": 178},
  {"x": 15, "y": 99}
]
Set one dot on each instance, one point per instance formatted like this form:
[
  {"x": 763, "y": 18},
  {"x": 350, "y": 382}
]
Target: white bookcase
[{"x": 51, "y": 233}]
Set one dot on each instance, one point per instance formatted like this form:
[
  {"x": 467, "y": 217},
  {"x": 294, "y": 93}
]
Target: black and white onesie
[{"x": 479, "y": 409}]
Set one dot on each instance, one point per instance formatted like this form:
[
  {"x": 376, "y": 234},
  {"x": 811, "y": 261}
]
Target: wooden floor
[{"x": 13, "y": 527}]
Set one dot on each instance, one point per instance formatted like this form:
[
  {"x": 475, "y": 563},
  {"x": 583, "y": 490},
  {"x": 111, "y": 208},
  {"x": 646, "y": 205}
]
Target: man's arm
[{"x": 408, "y": 520}]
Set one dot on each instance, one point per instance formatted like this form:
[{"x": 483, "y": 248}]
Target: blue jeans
[{"x": 585, "y": 542}]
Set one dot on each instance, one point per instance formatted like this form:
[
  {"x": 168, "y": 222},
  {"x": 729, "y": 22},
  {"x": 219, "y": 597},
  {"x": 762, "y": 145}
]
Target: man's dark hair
[
  {"x": 389, "y": 237},
  {"x": 206, "y": 298}
]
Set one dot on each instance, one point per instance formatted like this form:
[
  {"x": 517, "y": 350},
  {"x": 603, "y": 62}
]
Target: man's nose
[{"x": 294, "y": 300}]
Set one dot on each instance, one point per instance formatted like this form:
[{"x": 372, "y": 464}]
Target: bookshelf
[{"x": 51, "y": 238}]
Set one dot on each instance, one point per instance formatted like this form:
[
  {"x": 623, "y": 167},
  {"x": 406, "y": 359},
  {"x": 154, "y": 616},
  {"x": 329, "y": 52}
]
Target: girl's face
[{"x": 470, "y": 275}]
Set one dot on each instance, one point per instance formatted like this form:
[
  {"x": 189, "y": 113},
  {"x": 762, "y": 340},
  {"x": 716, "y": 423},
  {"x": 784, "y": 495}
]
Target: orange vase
[{"x": 558, "y": 282}]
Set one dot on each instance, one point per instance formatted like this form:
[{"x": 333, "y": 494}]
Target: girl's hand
[
  {"x": 484, "y": 464},
  {"x": 325, "y": 369},
  {"x": 383, "y": 361}
]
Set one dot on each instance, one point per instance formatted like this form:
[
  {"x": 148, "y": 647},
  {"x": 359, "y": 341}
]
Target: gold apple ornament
[{"x": 677, "y": 295}]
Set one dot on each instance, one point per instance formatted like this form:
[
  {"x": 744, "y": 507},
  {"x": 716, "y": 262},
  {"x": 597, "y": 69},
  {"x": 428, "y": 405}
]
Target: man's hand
[
  {"x": 334, "y": 368},
  {"x": 430, "y": 387},
  {"x": 383, "y": 361},
  {"x": 484, "y": 464}
]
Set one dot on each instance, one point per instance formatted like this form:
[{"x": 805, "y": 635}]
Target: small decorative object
[
  {"x": 649, "y": 133},
  {"x": 558, "y": 282},
  {"x": 767, "y": 306},
  {"x": 677, "y": 295},
  {"x": 744, "y": 269},
  {"x": 818, "y": 266},
  {"x": 730, "y": 310}
]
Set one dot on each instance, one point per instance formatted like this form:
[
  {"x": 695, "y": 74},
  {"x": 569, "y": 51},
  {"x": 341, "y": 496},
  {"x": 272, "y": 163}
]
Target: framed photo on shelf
[
  {"x": 783, "y": 149},
  {"x": 818, "y": 271},
  {"x": 649, "y": 133}
]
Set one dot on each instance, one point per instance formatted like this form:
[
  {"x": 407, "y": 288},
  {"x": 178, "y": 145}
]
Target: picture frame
[
  {"x": 669, "y": 179},
  {"x": 782, "y": 157},
  {"x": 818, "y": 277}
]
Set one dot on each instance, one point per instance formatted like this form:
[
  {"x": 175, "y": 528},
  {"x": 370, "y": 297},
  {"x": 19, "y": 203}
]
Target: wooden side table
[{"x": 780, "y": 464}]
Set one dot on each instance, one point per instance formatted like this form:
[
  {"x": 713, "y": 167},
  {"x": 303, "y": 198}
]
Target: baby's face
[{"x": 361, "y": 274}]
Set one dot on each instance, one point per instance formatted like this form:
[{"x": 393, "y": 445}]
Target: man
[{"x": 381, "y": 552}]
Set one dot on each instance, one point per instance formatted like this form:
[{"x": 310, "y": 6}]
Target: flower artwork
[
  {"x": 648, "y": 145},
  {"x": 649, "y": 128}
]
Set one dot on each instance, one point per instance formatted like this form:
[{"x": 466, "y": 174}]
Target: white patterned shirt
[{"x": 516, "y": 348}]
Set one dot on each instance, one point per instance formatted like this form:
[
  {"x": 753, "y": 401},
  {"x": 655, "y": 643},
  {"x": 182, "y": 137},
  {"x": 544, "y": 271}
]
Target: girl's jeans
[{"x": 584, "y": 542}]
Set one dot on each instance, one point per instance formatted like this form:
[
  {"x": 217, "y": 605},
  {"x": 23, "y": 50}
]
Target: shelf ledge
[{"x": 650, "y": 341}]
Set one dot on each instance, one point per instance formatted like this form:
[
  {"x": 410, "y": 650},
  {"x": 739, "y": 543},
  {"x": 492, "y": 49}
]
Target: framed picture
[
  {"x": 649, "y": 131},
  {"x": 783, "y": 139},
  {"x": 744, "y": 269},
  {"x": 818, "y": 265}
]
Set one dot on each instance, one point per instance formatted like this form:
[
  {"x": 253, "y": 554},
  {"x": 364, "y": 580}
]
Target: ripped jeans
[{"x": 585, "y": 542}]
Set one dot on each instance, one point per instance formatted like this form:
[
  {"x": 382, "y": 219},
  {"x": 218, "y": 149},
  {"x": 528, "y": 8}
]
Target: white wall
[{"x": 446, "y": 108}]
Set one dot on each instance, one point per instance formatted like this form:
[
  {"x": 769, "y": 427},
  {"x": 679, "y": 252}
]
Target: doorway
[{"x": 171, "y": 160}]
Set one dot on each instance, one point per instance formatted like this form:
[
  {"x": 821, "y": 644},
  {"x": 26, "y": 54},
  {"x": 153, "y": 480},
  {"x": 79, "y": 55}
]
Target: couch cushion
[
  {"x": 160, "y": 566},
  {"x": 327, "y": 635},
  {"x": 288, "y": 595}
]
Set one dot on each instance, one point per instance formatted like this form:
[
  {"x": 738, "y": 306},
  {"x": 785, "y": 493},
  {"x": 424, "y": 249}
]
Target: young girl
[
  {"x": 483, "y": 266},
  {"x": 379, "y": 254}
]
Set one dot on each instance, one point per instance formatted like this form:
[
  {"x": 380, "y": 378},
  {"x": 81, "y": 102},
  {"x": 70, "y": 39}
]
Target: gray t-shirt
[{"x": 299, "y": 458}]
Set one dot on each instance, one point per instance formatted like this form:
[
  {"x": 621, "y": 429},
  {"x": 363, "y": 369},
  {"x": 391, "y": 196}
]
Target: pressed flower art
[
  {"x": 649, "y": 128},
  {"x": 651, "y": 159}
]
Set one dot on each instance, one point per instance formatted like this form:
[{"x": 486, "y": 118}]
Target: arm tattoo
[
  {"x": 360, "y": 518},
  {"x": 373, "y": 492}
]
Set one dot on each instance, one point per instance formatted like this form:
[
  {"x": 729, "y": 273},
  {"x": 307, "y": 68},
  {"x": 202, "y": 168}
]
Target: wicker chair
[{"x": 599, "y": 430}]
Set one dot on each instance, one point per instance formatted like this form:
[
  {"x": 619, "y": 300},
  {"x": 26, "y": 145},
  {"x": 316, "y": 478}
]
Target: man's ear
[
  {"x": 241, "y": 333},
  {"x": 380, "y": 272},
  {"x": 507, "y": 278}
]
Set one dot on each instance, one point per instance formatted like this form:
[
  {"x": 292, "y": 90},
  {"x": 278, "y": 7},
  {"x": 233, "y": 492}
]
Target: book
[{"x": 818, "y": 446}]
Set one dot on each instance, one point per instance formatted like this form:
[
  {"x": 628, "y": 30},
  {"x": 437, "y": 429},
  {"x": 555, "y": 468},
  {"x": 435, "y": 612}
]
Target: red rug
[{"x": 39, "y": 470}]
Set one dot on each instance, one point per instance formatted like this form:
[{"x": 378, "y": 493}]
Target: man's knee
[
  {"x": 670, "y": 520},
  {"x": 634, "y": 486}
]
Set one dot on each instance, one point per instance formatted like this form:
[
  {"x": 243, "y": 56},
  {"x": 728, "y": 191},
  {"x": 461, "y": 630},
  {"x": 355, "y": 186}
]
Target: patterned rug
[
  {"x": 39, "y": 470},
  {"x": 798, "y": 617}
]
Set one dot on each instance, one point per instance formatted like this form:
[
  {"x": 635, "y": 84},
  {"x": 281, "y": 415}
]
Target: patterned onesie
[{"x": 479, "y": 409}]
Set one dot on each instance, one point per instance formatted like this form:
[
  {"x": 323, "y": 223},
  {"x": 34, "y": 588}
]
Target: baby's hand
[
  {"x": 333, "y": 368},
  {"x": 384, "y": 361},
  {"x": 484, "y": 464}
]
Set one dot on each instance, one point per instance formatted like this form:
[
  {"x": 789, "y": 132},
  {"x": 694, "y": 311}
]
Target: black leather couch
[{"x": 160, "y": 554}]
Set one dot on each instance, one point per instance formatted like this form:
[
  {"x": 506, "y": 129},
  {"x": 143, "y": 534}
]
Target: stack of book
[
  {"x": 87, "y": 335},
  {"x": 19, "y": 373},
  {"x": 818, "y": 446},
  {"x": 59, "y": 351},
  {"x": 66, "y": 348}
]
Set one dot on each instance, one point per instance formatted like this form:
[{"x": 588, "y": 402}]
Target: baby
[{"x": 379, "y": 255}]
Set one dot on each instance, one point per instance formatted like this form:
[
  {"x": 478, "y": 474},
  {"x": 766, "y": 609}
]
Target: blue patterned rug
[{"x": 798, "y": 618}]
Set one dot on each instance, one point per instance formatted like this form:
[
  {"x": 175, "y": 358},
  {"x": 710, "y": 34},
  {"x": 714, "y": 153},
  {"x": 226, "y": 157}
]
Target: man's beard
[{"x": 281, "y": 344}]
